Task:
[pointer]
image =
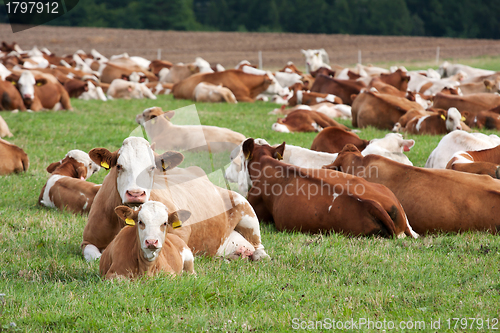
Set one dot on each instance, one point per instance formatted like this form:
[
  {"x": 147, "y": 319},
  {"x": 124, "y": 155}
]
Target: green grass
[{"x": 50, "y": 287}]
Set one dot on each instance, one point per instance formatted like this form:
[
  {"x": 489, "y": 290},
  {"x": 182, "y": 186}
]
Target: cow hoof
[
  {"x": 91, "y": 253},
  {"x": 260, "y": 254}
]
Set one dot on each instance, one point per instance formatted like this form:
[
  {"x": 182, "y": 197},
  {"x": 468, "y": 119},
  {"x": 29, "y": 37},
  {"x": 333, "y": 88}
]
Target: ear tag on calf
[
  {"x": 105, "y": 165},
  {"x": 129, "y": 221},
  {"x": 278, "y": 156},
  {"x": 443, "y": 117},
  {"x": 13, "y": 83},
  {"x": 177, "y": 224},
  {"x": 164, "y": 165},
  {"x": 462, "y": 119},
  {"x": 39, "y": 84}
]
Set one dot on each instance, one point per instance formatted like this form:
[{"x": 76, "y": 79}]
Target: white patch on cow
[
  {"x": 413, "y": 233},
  {"x": 158, "y": 88},
  {"x": 280, "y": 128},
  {"x": 234, "y": 242},
  {"x": 300, "y": 95},
  {"x": 187, "y": 255},
  {"x": 330, "y": 98},
  {"x": 46, "y": 201},
  {"x": 239, "y": 199},
  {"x": 419, "y": 123},
  {"x": 84, "y": 158},
  {"x": 86, "y": 204},
  {"x": 91, "y": 252},
  {"x": 250, "y": 222},
  {"x": 26, "y": 85},
  {"x": 317, "y": 128}
]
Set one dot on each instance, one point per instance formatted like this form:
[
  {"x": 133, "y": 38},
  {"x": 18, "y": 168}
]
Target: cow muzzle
[
  {"x": 135, "y": 197},
  {"x": 151, "y": 244}
]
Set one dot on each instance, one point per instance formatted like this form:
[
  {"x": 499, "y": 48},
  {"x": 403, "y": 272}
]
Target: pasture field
[{"x": 310, "y": 282}]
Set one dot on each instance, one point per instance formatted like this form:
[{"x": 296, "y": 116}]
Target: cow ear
[
  {"x": 176, "y": 218},
  {"x": 81, "y": 172},
  {"x": 303, "y": 52},
  {"x": 247, "y": 147},
  {"x": 169, "y": 115},
  {"x": 41, "y": 82},
  {"x": 279, "y": 152},
  {"x": 103, "y": 157},
  {"x": 12, "y": 78},
  {"x": 168, "y": 160},
  {"x": 442, "y": 114},
  {"x": 53, "y": 166},
  {"x": 407, "y": 144},
  {"x": 127, "y": 214}
]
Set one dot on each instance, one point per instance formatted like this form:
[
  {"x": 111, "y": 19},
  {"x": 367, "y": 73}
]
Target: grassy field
[{"x": 310, "y": 281}]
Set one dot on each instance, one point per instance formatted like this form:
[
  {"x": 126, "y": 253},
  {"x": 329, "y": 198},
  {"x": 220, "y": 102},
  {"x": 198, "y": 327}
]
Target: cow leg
[
  {"x": 90, "y": 252},
  {"x": 65, "y": 100},
  {"x": 236, "y": 246}
]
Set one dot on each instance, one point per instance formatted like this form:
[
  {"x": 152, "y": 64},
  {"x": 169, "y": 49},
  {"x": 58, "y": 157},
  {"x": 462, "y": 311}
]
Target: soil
[{"x": 229, "y": 48}]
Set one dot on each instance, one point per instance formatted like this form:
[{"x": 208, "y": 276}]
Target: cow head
[
  {"x": 152, "y": 220},
  {"x": 452, "y": 118},
  {"x": 349, "y": 157},
  {"x": 135, "y": 163},
  {"x": 315, "y": 59},
  {"x": 393, "y": 142},
  {"x": 26, "y": 85},
  {"x": 76, "y": 164}
]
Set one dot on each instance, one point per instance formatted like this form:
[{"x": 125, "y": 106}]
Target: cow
[
  {"x": 290, "y": 68},
  {"x": 472, "y": 103},
  {"x": 179, "y": 72},
  {"x": 428, "y": 86},
  {"x": 304, "y": 121},
  {"x": 127, "y": 89},
  {"x": 93, "y": 92},
  {"x": 333, "y": 139},
  {"x": 287, "y": 79},
  {"x": 67, "y": 188},
  {"x": 331, "y": 110},
  {"x": 113, "y": 71},
  {"x": 434, "y": 200},
  {"x": 459, "y": 141},
  {"x": 482, "y": 162},
  {"x": 4, "y": 129},
  {"x": 485, "y": 86},
  {"x": 167, "y": 135},
  {"x": 159, "y": 88},
  {"x": 75, "y": 87},
  {"x": 207, "y": 92},
  {"x": 144, "y": 246},
  {"x": 315, "y": 59},
  {"x": 10, "y": 97},
  {"x": 312, "y": 98},
  {"x": 12, "y": 158},
  {"x": 382, "y": 111},
  {"x": 244, "y": 86},
  {"x": 398, "y": 79},
  {"x": 157, "y": 65},
  {"x": 315, "y": 200},
  {"x": 391, "y": 146},
  {"x": 222, "y": 222},
  {"x": 345, "y": 89},
  {"x": 446, "y": 70},
  {"x": 438, "y": 123},
  {"x": 483, "y": 120}
]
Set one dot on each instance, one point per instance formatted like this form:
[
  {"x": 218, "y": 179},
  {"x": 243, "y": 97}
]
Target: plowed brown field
[{"x": 228, "y": 48}]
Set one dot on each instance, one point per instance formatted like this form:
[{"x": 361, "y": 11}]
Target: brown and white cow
[
  {"x": 244, "y": 86},
  {"x": 127, "y": 89},
  {"x": 472, "y": 103},
  {"x": 179, "y": 72},
  {"x": 382, "y": 111},
  {"x": 437, "y": 123},
  {"x": 312, "y": 98},
  {"x": 222, "y": 222},
  {"x": 305, "y": 121},
  {"x": 144, "y": 246},
  {"x": 12, "y": 158},
  {"x": 67, "y": 188},
  {"x": 333, "y": 139},
  {"x": 207, "y": 92},
  {"x": 157, "y": 65},
  {"x": 344, "y": 89},
  {"x": 114, "y": 71},
  {"x": 169, "y": 136},
  {"x": 4, "y": 129},
  {"x": 314, "y": 200},
  {"x": 482, "y": 162},
  {"x": 10, "y": 97},
  {"x": 483, "y": 120},
  {"x": 434, "y": 200}
]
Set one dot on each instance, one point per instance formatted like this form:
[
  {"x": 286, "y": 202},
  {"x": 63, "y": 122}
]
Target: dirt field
[{"x": 228, "y": 48}]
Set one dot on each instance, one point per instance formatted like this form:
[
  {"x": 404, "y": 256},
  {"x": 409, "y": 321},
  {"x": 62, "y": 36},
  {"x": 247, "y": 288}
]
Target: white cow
[
  {"x": 92, "y": 93},
  {"x": 316, "y": 59},
  {"x": 126, "y": 89},
  {"x": 458, "y": 141}
]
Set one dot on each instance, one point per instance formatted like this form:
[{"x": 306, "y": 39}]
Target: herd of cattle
[{"x": 149, "y": 215}]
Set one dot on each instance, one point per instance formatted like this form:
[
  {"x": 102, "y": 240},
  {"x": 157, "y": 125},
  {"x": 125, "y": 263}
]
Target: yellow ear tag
[
  {"x": 462, "y": 119},
  {"x": 129, "y": 221},
  {"x": 164, "y": 165},
  {"x": 278, "y": 156},
  {"x": 153, "y": 121},
  {"x": 177, "y": 224},
  {"x": 13, "y": 83},
  {"x": 105, "y": 165},
  {"x": 442, "y": 116},
  {"x": 39, "y": 84}
]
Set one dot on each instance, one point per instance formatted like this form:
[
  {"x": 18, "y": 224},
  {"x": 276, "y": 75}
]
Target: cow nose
[
  {"x": 151, "y": 244},
  {"x": 27, "y": 96},
  {"x": 135, "y": 196}
]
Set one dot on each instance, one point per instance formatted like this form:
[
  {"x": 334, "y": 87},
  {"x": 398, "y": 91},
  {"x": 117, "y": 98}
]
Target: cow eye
[
  {"x": 118, "y": 167},
  {"x": 165, "y": 224},
  {"x": 141, "y": 223},
  {"x": 152, "y": 168}
]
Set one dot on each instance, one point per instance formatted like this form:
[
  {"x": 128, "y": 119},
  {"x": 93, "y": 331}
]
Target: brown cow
[
  {"x": 67, "y": 188},
  {"x": 434, "y": 200},
  {"x": 382, "y": 111},
  {"x": 290, "y": 68},
  {"x": 333, "y": 139},
  {"x": 311, "y": 98},
  {"x": 113, "y": 71},
  {"x": 305, "y": 121},
  {"x": 157, "y": 65},
  {"x": 472, "y": 103},
  {"x": 222, "y": 222},
  {"x": 10, "y": 97},
  {"x": 144, "y": 246},
  {"x": 398, "y": 79},
  {"x": 245, "y": 87},
  {"x": 485, "y": 86},
  {"x": 436, "y": 123},
  {"x": 341, "y": 88},
  {"x": 483, "y": 162},
  {"x": 179, "y": 72},
  {"x": 314, "y": 200},
  {"x": 75, "y": 87},
  {"x": 12, "y": 158}
]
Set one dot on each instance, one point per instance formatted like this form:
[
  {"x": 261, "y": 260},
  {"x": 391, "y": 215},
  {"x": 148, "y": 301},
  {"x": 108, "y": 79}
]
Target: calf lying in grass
[
  {"x": 145, "y": 247},
  {"x": 67, "y": 187}
]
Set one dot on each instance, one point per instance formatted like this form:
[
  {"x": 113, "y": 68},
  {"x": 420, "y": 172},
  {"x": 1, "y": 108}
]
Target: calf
[
  {"x": 67, "y": 188},
  {"x": 144, "y": 246},
  {"x": 459, "y": 141},
  {"x": 222, "y": 221},
  {"x": 167, "y": 135},
  {"x": 312, "y": 98},
  {"x": 483, "y": 120},
  {"x": 305, "y": 121},
  {"x": 434, "y": 200},
  {"x": 12, "y": 158},
  {"x": 435, "y": 124},
  {"x": 10, "y": 97},
  {"x": 207, "y": 92},
  {"x": 333, "y": 139},
  {"x": 126, "y": 89},
  {"x": 472, "y": 103},
  {"x": 483, "y": 162},
  {"x": 283, "y": 194}
]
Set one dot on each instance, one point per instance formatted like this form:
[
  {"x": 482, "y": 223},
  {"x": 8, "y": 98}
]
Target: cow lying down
[
  {"x": 127, "y": 89},
  {"x": 145, "y": 246},
  {"x": 67, "y": 188}
]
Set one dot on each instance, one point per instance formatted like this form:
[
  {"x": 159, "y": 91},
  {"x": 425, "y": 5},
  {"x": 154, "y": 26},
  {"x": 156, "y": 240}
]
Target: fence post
[
  {"x": 359, "y": 57},
  {"x": 260, "y": 59},
  {"x": 437, "y": 55},
  {"x": 158, "y": 54}
]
